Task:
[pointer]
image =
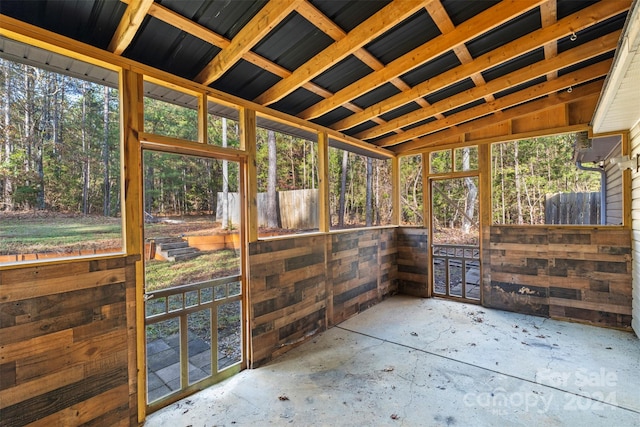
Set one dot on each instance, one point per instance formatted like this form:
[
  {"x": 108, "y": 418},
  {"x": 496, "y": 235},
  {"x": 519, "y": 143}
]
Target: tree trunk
[
  {"x": 106, "y": 206},
  {"x": 516, "y": 165},
  {"x": 343, "y": 188},
  {"x": 368, "y": 213},
  {"x": 85, "y": 152},
  {"x": 7, "y": 195},
  {"x": 472, "y": 193},
  {"x": 272, "y": 202}
]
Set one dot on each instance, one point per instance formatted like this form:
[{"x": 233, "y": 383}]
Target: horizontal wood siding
[
  {"x": 577, "y": 274},
  {"x": 413, "y": 252},
  {"x": 614, "y": 191},
  {"x": 287, "y": 279},
  {"x": 67, "y": 343},
  {"x": 635, "y": 226},
  {"x": 301, "y": 285}
]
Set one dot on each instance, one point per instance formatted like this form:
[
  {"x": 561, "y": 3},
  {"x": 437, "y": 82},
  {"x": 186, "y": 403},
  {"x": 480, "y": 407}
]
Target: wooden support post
[
  {"x": 426, "y": 194},
  {"x": 395, "y": 190},
  {"x": 203, "y": 118},
  {"x": 132, "y": 119},
  {"x": 484, "y": 167},
  {"x": 324, "y": 214},
  {"x": 248, "y": 144}
]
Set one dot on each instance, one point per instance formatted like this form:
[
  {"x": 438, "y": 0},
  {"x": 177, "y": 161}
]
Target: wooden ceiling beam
[
  {"x": 549, "y": 14},
  {"x": 185, "y": 24},
  {"x": 477, "y": 25},
  {"x": 568, "y": 80},
  {"x": 444, "y": 23},
  {"x": 567, "y": 58},
  {"x": 259, "y": 26},
  {"x": 552, "y": 101},
  {"x": 131, "y": 20},
  {"x": 376, "y": 25},
  {"x": 576, "y": 22}
]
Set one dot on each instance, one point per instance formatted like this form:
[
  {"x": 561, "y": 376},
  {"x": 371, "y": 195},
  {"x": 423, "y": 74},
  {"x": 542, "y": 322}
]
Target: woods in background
[{"x": 60, "y": 143}]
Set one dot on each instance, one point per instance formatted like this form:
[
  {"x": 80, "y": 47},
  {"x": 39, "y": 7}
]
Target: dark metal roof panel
[
  {"x": 505, "y": 33},
  {"x": 439, "y": 65},
  {"x": 342, "y": 74},
  {"x": 580, "y": 65},
  {"x": 460, "y": 11},
  {"x": 401, "y": 111},
  {"x": 420, "y": 123},
  {"x": 297, "y": 101},
  {"x": 332, "y": 116},
  {"x": 167, "y": 48},
  {"x": 245, "y": 80},
  {"x": 225, "y": 17},
  {"x": 91, "y": 22},
  {"x": 291, "y": 52},
  {"x": 376, "y": 95},
  {"x": 450, "y": 90},
  {"x": 520, "y": 87},
  {"x": 598, "y": 30},
  {"x": 514, "y": 64},
  {"x": 464, "y": 107},
  {"x": 361, "y": 128},
  {"x": 348, "y": 14},
  {"x": 565, "y": 8},
  {"x": 404, "y": 37}
]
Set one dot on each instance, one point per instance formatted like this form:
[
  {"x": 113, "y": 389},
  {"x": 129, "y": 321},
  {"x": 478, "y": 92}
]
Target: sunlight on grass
[
  {"x": 26, "y": 235},
  {"x": 209, "y": 265}
]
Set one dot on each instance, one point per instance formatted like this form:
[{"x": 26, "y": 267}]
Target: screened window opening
[
  {"x": 287, "y": 176},
  {"x": 559, "y": 179},
  {"x": 411, "y": 195},
  {"x": 60, "y": 170},
  {"x": 360, "y": 190}
]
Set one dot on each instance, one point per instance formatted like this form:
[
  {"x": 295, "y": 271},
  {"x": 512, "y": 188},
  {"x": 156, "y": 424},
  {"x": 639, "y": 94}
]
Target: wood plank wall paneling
[
  {"x": 413, "y": 271},
  {"x": 301, "y": 285},
  {"x": 64, "y": 344},
  {"x": 634, "y": 136},
  {"x": 577, "y": 274}
]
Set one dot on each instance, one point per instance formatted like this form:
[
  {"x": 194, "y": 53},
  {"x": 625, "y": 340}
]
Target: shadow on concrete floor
[{"x": 430, "y": 362}]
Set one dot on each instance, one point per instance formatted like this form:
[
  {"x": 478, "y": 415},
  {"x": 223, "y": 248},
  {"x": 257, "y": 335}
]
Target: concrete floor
[{"x": 429, "y": 362}]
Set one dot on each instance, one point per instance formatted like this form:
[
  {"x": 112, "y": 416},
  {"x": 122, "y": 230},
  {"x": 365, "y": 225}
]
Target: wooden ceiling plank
[
  {"x": 367, "y": 31},
  {"x": 129, "y": 24},
  {"x": 552, "y": 101},
  {"x": 588, "y": 16},
  {"x": 479, "y": 24},
  {"x": 258, "y": 27},
  {"x": 567, "y": 58},
  {"x": 569, "y": 80}
]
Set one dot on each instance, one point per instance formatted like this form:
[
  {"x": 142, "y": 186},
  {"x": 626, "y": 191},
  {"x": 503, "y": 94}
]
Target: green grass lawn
[
  {"x": 209, "y": 265},
  {"x": 46, "y": 234}
]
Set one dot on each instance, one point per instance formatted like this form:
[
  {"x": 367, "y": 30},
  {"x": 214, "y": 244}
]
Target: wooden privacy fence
[
  {"x": 572, "y": 208},
  {"x": 297, "y": 209}
]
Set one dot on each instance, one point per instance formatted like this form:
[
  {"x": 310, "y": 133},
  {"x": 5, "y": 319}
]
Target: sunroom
[{"x": 193, "y": 188}]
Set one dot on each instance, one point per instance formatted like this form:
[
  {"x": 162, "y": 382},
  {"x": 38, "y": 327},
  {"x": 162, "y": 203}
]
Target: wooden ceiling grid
[{"x": 418, "y": 124}]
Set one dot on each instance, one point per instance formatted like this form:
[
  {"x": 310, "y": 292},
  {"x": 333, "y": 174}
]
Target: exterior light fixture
[{"x": 624, "y": 162}]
